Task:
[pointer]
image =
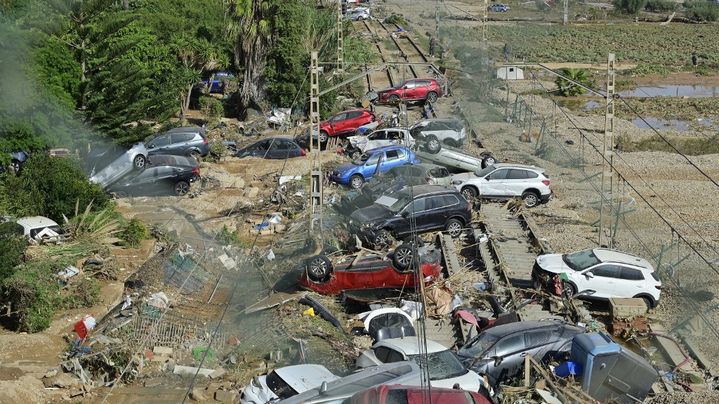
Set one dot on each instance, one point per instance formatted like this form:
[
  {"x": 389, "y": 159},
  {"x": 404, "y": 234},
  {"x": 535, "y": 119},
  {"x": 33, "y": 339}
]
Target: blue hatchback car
[{"x": 357, "y": 172}]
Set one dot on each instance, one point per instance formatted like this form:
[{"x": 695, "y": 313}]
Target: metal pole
[
  {"x": 565, "y": 18},
  {"x": 484, "y": 22},
  {"x": 608, "y": 153},
  {"x": 340, "y": 39},
  {"x": 316, "y": 196}
]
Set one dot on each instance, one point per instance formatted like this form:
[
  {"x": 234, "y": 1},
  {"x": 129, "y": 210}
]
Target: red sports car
[
  {"x": 359, "y": 271},
  {"x": 345, "y": 123},
  {"x": 412, "y": 90}
]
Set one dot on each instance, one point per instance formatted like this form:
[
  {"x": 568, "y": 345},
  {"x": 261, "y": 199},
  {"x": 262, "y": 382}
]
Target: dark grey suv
[
  {"x": 187, "y": 141},
  {"x": 420, "y": 209},
  {"x": 499, "y": 351}
]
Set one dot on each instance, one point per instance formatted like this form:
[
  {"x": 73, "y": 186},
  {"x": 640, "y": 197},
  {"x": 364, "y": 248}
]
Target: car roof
[
  {"x": 511, "y": 328},
  {"x": 428, "y": 189},
  {"x": 305, "y": 377},
  {"x": 186, "y": 129},
  {"x": 351, "y": 110},
  {"x": 410, "y": 345},
  {"x": 171, "y": 160},
  {"x": 385, "y": 148},
  {"x": 522, "y": 166},
  {"x": 33, "y": 222},
  {"x": 607, "y": 255},
  {"x": 429, "y": 166}
]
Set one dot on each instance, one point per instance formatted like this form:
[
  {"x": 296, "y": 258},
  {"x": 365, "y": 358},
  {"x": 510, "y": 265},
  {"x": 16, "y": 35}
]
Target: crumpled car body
[{"x": 132, "y": 159}]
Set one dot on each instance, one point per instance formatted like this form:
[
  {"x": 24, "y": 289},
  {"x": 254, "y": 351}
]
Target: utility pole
[
  {"x": 484, "y": 22},
  {"x": 565, "y": 18},
  {"x": 340, "y": 39},
  {"x": 436, "y": 20},
  {"x": 316, "y": 194},
  {"x": 607, "y": 190}
]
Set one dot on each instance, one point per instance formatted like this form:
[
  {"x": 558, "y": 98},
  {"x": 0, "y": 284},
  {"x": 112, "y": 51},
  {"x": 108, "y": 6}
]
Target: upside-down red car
[{"x": 369, "y": 271}]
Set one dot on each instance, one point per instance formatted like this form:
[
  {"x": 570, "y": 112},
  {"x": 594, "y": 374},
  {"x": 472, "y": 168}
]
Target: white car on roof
[
  {"x": 504, "y": 180},
  {"x": 284, "y": 383},
  {"x": 40, "y": 228},
  {"x": 608, "y": 273},
  {"x": 445, "y": 369}
]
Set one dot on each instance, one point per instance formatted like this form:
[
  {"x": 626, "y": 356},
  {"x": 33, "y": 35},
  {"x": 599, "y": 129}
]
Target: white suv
[
  {"x": 502, "y": 181},
  {"x": 608, "y": 273}
]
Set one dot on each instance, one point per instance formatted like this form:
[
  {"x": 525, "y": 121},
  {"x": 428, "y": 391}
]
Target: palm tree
[
  {"x": 569, "y": 89},
  {"x": 250, "y": 24}
]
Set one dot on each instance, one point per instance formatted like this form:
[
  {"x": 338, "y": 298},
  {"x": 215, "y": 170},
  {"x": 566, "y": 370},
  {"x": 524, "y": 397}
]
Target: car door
[
  {"x": 393, "y": 158},
  {"x": 350, "y": 123},
  {"x": 159, "y": 144},
  {"x": 370, "y": 166},
  {"x": 539, "y": 342},
  {"x": 165, "y": 179},
  {"x": 143, "y": 183},
  {"x": 604, "y": 280},
  {"x": 435, "y": 214},
  {"x": 631, "y": 282},
  {"x": 408, "y": 90},
  {"x": 277, "y": 149},
  {"x": 412, "y": 211},
  {"x": 179, "y": 143},
  {"x": 516, "y": 182},
  {"x": 510, "y": 350},
  {"x": 439, "y": 176},
  {"x": 376, "y": 139},
  {"x": 493, "y": 184},
  {"x": 337, "y": 122},
  {"x": 420, "y": 92}
]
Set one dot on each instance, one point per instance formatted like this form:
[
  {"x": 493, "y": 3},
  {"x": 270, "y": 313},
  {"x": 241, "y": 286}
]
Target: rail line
[{"x": 375, "y": 80}]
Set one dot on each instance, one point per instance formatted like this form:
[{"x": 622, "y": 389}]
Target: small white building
[{"x": 510, "y": 73}]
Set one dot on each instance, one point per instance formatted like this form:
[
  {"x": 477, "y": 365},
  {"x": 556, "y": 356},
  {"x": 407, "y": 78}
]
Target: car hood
[
  {"x": 553, "y": 263},
  {"x": 254, "y": 394},
  {"x": 464, "y": 176},
  {"x": 370, "y": 214},
  {"x": 346, "y": 168},
  {"x": 356, "y": 141},
  {"x": 468, "y": 381}
]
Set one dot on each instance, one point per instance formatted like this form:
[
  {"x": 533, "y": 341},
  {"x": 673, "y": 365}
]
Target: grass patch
[
  {"x": 686, "y": 109},
  {"x": 693, "y": 146}
]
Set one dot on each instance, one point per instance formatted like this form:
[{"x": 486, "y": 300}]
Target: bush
[
  {"x": 660, "y": 5},
  {"x": 134, "y": 233},
  {"x": 702, "y": 10},
  {"x": 83, "y": 294},
  {"x": 51, "y": 186},
  {"x": 12, "y": 248},
  {"x": 32, "y": 294},
  {"x": 212, "y": 108},
  {"x": 629, "y": 6}
]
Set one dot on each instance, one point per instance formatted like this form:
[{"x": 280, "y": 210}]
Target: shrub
[
  {"x": 51, "y": 186},
  {"x": 702, "y": 10},
  {"x": 568, "y": 88},
  {"x": 212, "y": 108},
  {"x": 12, "y": 248},
  {"x": 660, "y": 5},
  {"x": 629, "y": 6},
  {"x": 82, "y": 294},
  {"x": 32, "y": 294},
  {"x": 134, "y": 233}
]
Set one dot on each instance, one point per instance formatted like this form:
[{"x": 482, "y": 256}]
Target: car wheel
[
  {"x": 568, "y": 289},
  {"x": 530, "y": 199},
  {"x": 323, "y": 136},
  {"x": 402, "y": 257},
  {"x": 393, "y": 99},
  {"x": 195, "y": 154},
  {"x": 182, "y": 188},
  {"x": 139, "y": 162},
  {"x": 647, "y": 302},
  {"x": 469, "y": 193},
  {"x": 488, "y": 160},
  {"x": 383, "y": 239},
  {"x": 15, "y": 166},
  {"x": 356, "y": 155},
  {"x": 319, "y": 268},
  {"x": 536, "y": 283},
  {"x": 433, "y": 145},
  {"x": 432, "y": 97},
  {"x": 356, "y": 181},
  {"x": 454, "y": 227}
]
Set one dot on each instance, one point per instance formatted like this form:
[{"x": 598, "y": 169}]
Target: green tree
[
  {"x": 568, "y": 88},
  {"x": 12, "y": 248},
  {"x": 629, "y": 6}
]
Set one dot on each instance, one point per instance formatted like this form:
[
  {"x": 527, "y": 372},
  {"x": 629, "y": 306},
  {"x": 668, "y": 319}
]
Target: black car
[
  {"x": 499, "y": 351},
  {"x": 272, "y": 148},
  {"x": 187, "y": 141},
  {"x": 419, "y": 209},
  {"x": 159, "y": 178}
]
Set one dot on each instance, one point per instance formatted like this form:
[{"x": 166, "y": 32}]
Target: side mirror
[
  {"x": 497, "y": 360},
  {"x": 151, "y": 146},
  {"x": 405, "y": 214},
  {"x": 589, "y": 275},
  {"x": 487, "y": 178}
]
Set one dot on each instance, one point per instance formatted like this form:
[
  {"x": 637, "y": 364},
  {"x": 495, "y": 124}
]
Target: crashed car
[
  {"x": 359, "y": 13},
  {"x": 413, "y": 210},
  {"x": 445, "y": 369},
  {"x": 379, "y": 138},
  {"x": 499, "y": 351},
  {"x": 433, "y": 132},
  {"x": 131, "y": 159},
  {"x": 160, "y": 178},
  {"x": 416, "y": 395},
  {"x": 285, "y": 382},
  {"x": 369, "y": 271},
  {"x": 271, "y": 148},
  {"x": 40, "y": 229},
  {"x": 373, "y": 162}
]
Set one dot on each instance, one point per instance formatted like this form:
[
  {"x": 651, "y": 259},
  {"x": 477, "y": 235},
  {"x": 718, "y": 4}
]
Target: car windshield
[
  {"x": 581, "y": 260},
  {"x": 483, "y": 172},
  {"x": 441, "y": 365},
  {"x": 393, "y": 204},
  {"x": 478, "y": 345},
  {"x": 279, "y": 386}
]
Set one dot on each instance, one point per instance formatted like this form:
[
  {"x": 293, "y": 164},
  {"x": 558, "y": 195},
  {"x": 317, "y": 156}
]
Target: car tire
[
  {"x": 356, "y": 181},
  {"x": 469, "y": 193},
  {"x": 432, "y": 97},
  {"x": 182, "y": 188},
  {"x": 393, "y": 99},
  {"x": 138, "y": 163},
  {"x": 195, "y": 154},
  {"x": 383, "y": 239},
  {"x": 319, "y": 269},
  {"x": 568, "y": 289},
  {"x": 402, "y": 257},
  {"x": 323, "y": 136},
  {"x": 355, "y": 155},
  {"x": 15, "y": 165},
  {"x": 488, "y": 160},
  {"x": 433, "y": 145},
  {"x": 530, "y": 198},
  {"x": 647, "y": 302},
  {"x": 454, "y": 227}
]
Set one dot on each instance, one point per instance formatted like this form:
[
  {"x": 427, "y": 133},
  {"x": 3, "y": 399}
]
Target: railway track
[{"x": 381, "y": 79}]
